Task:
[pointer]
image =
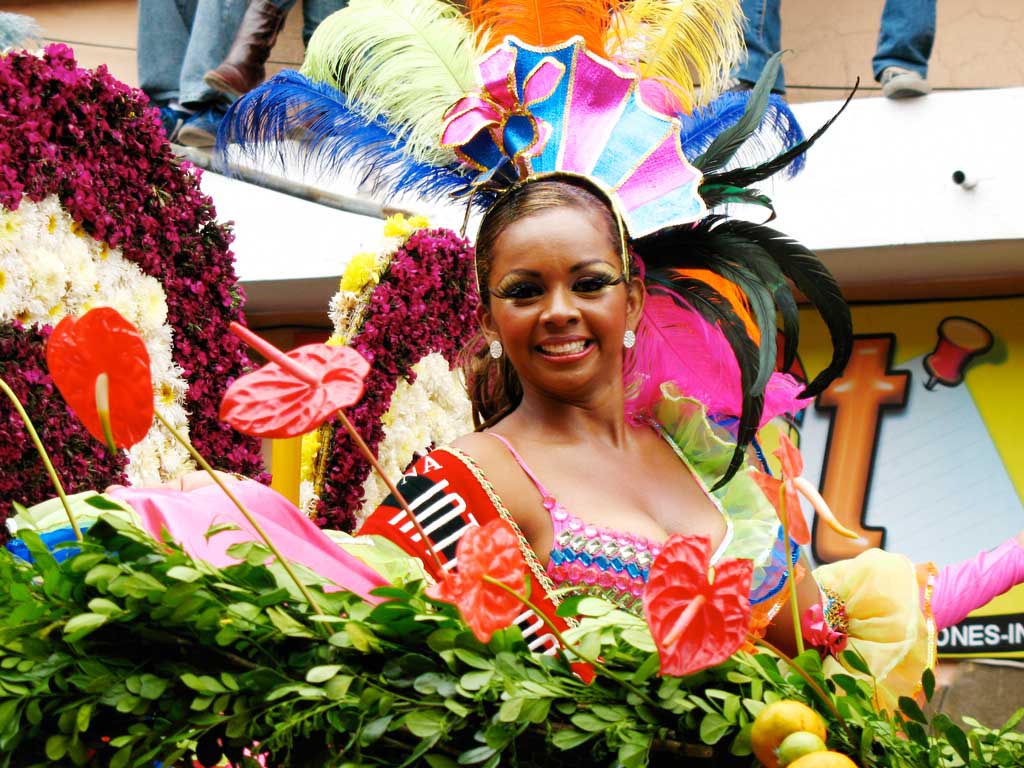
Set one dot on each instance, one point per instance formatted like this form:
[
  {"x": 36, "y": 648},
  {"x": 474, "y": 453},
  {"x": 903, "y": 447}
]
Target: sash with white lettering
[{"x": 448, "y": 496}]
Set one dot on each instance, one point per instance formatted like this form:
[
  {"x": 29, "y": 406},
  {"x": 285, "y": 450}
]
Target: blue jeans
[
  {"x": 179, "y": 41},
  {"x": 905, "y": 37},
  {"x": 313, "y": 12}
]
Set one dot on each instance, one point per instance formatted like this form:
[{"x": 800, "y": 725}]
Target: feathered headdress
[{"x": 421, "y": 97}]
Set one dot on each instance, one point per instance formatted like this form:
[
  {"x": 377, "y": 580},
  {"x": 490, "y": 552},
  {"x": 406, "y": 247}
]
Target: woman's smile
[{"x": 565, "y": 350}]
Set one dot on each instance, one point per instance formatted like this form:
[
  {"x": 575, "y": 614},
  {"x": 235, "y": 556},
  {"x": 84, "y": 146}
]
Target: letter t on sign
[{"x": 857, "y": 398}]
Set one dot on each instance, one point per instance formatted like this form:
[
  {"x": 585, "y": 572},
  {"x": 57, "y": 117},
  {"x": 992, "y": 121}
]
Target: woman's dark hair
[{"x": 493, "y": 385}]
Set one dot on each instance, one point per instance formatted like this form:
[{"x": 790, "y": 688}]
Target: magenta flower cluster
[
  {"x": 98, "y": 145},
  {"x": 425, "y": 304}
]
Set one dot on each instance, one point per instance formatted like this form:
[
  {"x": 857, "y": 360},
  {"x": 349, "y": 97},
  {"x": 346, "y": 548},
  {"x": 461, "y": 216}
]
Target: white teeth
[{"x": 570, "y": 348}]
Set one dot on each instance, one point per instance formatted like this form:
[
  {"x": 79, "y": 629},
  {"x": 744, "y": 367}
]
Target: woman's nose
[{"x": 560, "y": 308}]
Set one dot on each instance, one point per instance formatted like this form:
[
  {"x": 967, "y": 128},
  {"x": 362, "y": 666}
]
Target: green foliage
[{"x": 131, "y": 652}]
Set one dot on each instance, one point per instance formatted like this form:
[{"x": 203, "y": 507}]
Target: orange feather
[
  {"x": 544, "y": 22},
  {"x": 731, "y": 293}
]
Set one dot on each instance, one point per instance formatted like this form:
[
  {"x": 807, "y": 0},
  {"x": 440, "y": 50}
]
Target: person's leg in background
[
  {"x": 213, "y": 29},
  {"x": 314, "y": 12},
  {"x": 905, "y": 39},
  {"x": 243, "y": 68},
  {"x": 762, "y": 32},
  {"x": 163, "y": 39}
]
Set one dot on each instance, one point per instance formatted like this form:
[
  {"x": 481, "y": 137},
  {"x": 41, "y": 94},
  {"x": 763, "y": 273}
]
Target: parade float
[{"x": 122, "y": 644}]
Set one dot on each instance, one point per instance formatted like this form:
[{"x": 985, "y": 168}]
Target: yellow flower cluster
[
  {"x": 400, "y": 226},
  {"x": 361, "y": 269}
]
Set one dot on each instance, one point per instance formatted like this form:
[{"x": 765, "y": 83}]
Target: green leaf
[
  {"x": 713, "y": 727},
  {"x": 286, "y": 624},
  {"x": 958, "y": 740},
  {"x": 83, "y": 562},
  {"x": 121, "y": 757},
  {"x": 570, "y": 607},
  {"x": 510, "y": 709},
  {"x": 82, "y": 624},
  {"x": 647, "y": 668},
  {"x": 322, "y": 673},
  {"x": 595, "y": 607},
  {"x": 102, "y": 502},
  {"x": 916, "y": 733},
  {"x": 425, "y": 722},
  {"x": 855, "y": 661},
  {"x": 910, "y": 708},
  {"x": 570, "y": 738},
  {"x": 1013, "y": 722},
  {"x": 82, "y": 718},
  {"x": 338, "y": 686},
  {"x": 474, "y": 681},
  {"x": 439, "y": 761},
  {"x": 476, "y": 755},
  {"x": 152, "y": 687},
  {"x": 928, "y": 683},
  {"x": 183, "y": 573},
  {"x": 588, "y": 722},
  {"x": 56, "y": 746},
  {"x": 213, "y": 530},
  {"x": 374, "y": 729},
  {"x": 473, "y": 659}
]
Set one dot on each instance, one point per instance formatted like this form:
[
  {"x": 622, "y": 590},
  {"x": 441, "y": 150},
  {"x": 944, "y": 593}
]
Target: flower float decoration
[
  {"x": 95, "y": 210},
  {"x": 294, "y": 392},
  {"x": 100, "y": 364},
  {"x": 414, "y": 399},
  {"x": 699, "y": 614},
  {"x": 486, "y": 554}
]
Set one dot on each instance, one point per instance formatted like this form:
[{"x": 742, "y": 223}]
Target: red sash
[{"x": 448, "y": 494}]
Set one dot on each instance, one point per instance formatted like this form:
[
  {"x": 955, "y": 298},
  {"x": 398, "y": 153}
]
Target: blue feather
[
  {"x": 778, "y": 131},
  {"x": 291, "y": 111}
]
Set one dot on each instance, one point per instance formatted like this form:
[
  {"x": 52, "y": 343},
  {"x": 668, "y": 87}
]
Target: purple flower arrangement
[
  {"x": 98, "y": 146},
  {"x": 425, "y": 304}
]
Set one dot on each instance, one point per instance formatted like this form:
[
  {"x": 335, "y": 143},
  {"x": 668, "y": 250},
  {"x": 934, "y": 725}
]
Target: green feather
[
  {"x": 407, "y": 61},
  {"x": 728, "y": 142}
]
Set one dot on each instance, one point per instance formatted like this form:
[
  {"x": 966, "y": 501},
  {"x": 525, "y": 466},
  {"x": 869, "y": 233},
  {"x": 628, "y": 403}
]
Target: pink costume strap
[
  {"x": 964, "y": 587},
  {"x": 549, "y": 501}
]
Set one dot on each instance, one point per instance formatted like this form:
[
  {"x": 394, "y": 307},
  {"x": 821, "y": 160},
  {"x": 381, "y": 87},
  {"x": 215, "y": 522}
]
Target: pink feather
[{"x": 675, "y": 344}]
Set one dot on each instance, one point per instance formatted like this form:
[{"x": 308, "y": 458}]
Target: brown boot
[{"x": 243, "y": 69}]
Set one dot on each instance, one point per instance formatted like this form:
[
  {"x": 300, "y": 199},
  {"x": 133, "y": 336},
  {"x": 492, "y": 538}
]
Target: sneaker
[
  {"x": 200, "y": 130},
  {"x": 901, "y": 83},
  {"x": 172, "y": 119}
]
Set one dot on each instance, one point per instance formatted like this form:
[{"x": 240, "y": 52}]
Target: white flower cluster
[
  {"x": 433, "y": 410},
  {"x": 49, "y": 268}
]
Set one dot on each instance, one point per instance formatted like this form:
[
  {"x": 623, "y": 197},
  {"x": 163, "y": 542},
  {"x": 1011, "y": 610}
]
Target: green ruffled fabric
[
  {"x": 754, "y": 521},
  {"x": 50, "y": 515}
]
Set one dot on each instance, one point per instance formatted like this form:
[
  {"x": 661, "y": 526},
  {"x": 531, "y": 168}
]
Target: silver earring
[
  {"x": 496, "y": 349},
  {"x": 629, "y": 339}
]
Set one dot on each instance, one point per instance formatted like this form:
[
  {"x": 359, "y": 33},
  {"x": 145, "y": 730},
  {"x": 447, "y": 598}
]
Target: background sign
[{"x": 919, "y": 446}]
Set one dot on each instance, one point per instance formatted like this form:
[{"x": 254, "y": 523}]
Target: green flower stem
[
  {"x": 790, "y": 571},
  {"x": 245, "y": 512},
  {"x": 597, "y": 665},
  {"x": 368, "y": 455},
  {"x": 821, "y": 694},
  {"x": 43, "y": 455}
]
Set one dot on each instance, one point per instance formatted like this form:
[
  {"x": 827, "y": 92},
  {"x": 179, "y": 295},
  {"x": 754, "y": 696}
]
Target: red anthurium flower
[
  {"x": 699, "y": 615},
  {"x": 101, "y": 367},
  {"x": 294, "y": 393},
  {"x": 491, "y": 550}
]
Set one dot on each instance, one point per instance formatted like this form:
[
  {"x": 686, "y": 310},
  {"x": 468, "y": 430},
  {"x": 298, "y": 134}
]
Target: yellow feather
[{"x": 682, "y": 43}]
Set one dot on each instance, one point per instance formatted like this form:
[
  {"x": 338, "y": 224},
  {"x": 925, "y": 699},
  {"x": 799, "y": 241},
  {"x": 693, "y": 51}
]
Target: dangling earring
[
  {"x": 629, "y": 339},
  {"x": 496, "y": 349}
]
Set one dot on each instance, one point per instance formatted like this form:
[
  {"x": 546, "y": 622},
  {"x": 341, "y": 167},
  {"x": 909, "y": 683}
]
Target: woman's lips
[{"x": 566, "y": 351}]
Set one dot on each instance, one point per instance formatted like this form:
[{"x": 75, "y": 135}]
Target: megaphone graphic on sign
[{"x": 960, "y": 340}]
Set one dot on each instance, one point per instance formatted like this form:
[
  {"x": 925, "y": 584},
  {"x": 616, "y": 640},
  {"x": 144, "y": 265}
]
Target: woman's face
[{"x": 559, "y": 303}]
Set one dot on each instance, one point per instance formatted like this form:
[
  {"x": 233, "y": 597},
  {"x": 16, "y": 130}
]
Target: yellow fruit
[
  {"x": 823, "y": 760},
  {"x": 776, "y": 722},
  {"x": 798, "y": 744}
]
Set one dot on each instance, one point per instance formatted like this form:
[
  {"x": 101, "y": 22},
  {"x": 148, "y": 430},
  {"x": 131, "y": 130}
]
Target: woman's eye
[
  {"x": 518, "y": 291},
  {"x": 593, "y": 284}
]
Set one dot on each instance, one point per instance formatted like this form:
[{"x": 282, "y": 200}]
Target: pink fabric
[
  {"x": 496, "y": 70},
  {"x": 542, "y": 81},
  {"x": 658, "y": 97},
  {"x": 188, "y": 516},
  {"x": 662, "y": 171},
  {"x": 964, "y": 587},
  {"x": 676, "y": 344},
  {"x": 597, "y": 96}
]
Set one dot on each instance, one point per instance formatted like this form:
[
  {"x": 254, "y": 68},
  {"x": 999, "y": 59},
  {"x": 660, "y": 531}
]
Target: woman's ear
[
  {"x": 636, "y": 294},
  {"x": 486, "y": 321}
]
